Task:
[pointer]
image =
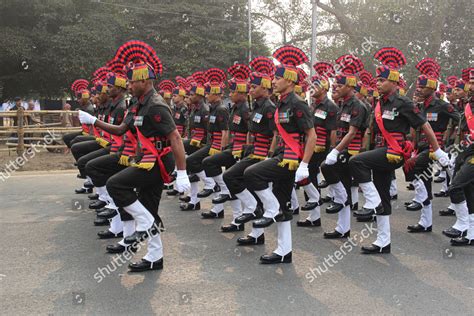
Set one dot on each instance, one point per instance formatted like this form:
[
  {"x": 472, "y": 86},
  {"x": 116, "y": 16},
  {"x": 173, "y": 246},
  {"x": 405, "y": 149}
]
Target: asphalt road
[{"x": 50, "y": 254}]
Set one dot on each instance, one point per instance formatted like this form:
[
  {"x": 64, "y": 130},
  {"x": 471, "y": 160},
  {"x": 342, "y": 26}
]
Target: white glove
[
  {"x": 442, "y": 157},
  {"x": 86, "y": 118},
  {"x": 331, "y": 158},
  {"x": 182, "y": 181},
  {"x": 302, "y": 172}
]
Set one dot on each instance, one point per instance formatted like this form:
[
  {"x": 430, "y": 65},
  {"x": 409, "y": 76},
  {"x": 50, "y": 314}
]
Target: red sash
[
  {"x": 405, "y": 152},
  {"x": 290, "y": 141},
  {"x": 469, "y": 119},
  {"x": 149, "y": 146},
  {"x": 85, "y": 129}
]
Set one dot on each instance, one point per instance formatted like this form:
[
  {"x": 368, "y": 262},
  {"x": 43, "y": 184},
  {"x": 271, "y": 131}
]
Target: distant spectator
[
  {"x": 32, "y": 118},
  {"x": 66, "y": 118}
]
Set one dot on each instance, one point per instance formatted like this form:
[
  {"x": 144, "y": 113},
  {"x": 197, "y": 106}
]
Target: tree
[
  {"x": 420, "y": 28},
  {"x": 47, "y": 44}
]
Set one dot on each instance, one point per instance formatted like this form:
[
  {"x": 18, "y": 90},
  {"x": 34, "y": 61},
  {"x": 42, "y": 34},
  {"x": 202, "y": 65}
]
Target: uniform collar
[
  {"x": 428, "y": 101},
  {"x": 389, "y": 97},
  {"x": 144, "y": 98},
  {"x": 284, "y": 98}
]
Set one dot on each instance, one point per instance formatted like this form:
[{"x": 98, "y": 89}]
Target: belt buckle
[{"x": 159, "y": 145}]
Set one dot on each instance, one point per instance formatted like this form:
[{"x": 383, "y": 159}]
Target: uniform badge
[
  {"x": 197, "y": 119},
  {"x": 138, "y": 121},
  {"x": 284, "y": 117},
  {"x": 321, "y": 114},
  {"x": 299, "y": 113},
  {"x": 157, "y": 118},
  {"x": 270, "y": 115},
  {"x": 177, "y": 115},
  {"x": 388, "y": 115},
  {"x": 433, "y": 117},
  {"x": 236, "y": 120},
  {"x": 345, "y": 117},
  {"x": 257, "y": 118},
  {"x": 212, "y": 119}
]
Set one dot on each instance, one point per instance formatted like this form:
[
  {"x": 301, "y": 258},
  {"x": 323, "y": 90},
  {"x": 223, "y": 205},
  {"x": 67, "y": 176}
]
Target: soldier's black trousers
[
  {"x": 462, "y": 185},
  {"x": 194, "y": 161},
  {"x": 339, "y": 171},
  {"x": 258, "y": 176},
  {"x": 67, "y": 138},
  {"x": 313, "y": 166},
  {"x": 82, "y": 162},
  {"x": 101, "y": 169},
  {"x": 188, "y": 148},
  {"x": 374, "y": 163},
  {"x": 234, "y": 176},
  {"x": 213, "y": 164},
  {"x": 149, "y": 185},
  {"x": 82, "y": 138},
  {"x": 82, "y": 148}
]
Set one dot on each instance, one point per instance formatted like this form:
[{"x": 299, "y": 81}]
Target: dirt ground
[{"x": 42, "y": 161}]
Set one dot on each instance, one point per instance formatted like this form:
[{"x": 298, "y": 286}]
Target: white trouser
[
  {"x": 116, "y": 225},
  {"x": 141, "y": 215},
  {"x": 312, "y": 193},
  {"x": 421, "y": 194},
  {"x": 371, "y": 195},
  {"x": 344, "y": 220},
  {"x": 269, "y": 201},
  {"x": 393, "y": 187},
  {"x": 154, "y": 249},
  {"x": 383, "y": 231},
  {"x": 426, "y": 217},
  {"x": 284, "y": 238},
  {"x": 462, "y": 216},
  {"x": 194, "y": 192},
  {"x": 340, "y": 193},
  {"x": 236, "y": 210},
  {"x": 208, "y": 182},
  {"x": 248, "y": 201},
  {"x": 220, "y": 182},
  {"x": 128, "y": 230},
  {"x": 294, "y": 200}
]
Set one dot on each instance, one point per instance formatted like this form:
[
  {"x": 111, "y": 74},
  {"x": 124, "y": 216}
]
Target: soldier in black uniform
[
  {"x": 461, "y": 189},
  {"x": 180, "y": 116},
  {"x": 437, "y": 113},
  {"x": 80, "y": 149},
  {"x": 218, "y": 131},
  {"x": 324, "y": 117},
  {"x": 157, "y": 137},
  {"x": 198, "y": 123},
  {"x": 113, "y": 114},
  {"x": 238, "y": 128},
  {"x": 82, "y": 96},
  {"x": 394, "y": 115},
  {"x": 351, "y": 125},
  {"x": 262, "y": 143},
  {"x": 294, "y": 123}
]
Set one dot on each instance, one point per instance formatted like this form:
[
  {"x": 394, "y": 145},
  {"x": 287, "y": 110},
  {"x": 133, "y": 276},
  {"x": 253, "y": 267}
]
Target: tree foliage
[
  {"x": 46, "y": 44},
  {"x": 420, "y": 28}
]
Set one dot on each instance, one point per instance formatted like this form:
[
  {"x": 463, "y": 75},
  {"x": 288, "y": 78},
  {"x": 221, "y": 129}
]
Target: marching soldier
[
  {"x": 324, "y": 113},
  {"x": 294, "y": 123},
  {"x": 461, "y": 189},
  {"x": 238, "y": 128},
  {"x": 157, "y": 137},
  {"x": 394, "y": 115},
  {"x": 262, "y": 143},
  {"x": 198, "y": 124},
  {"x": 437, "y": 113},
  {"x": 351, "y": 124}
]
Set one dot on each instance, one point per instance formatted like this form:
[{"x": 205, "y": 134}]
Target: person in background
[{"x": 66, "y": 118}]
